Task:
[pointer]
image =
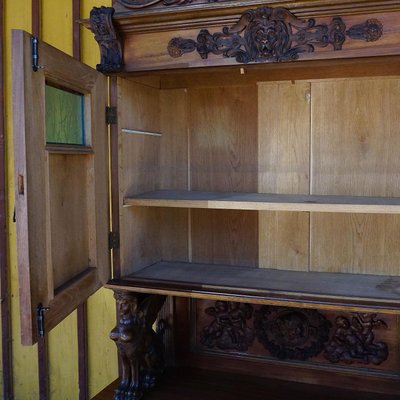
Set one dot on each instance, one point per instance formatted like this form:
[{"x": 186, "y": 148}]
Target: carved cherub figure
[
  {"x": 354, "y": 340},
  {"x": 228, "y": 329},
  {"x": 139, "y": 347}
]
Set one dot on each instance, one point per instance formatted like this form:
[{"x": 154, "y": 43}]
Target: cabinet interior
[{"x": 242, "y": 132}]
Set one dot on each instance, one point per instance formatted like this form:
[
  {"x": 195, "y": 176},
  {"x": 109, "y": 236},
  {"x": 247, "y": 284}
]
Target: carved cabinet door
[{"x": 61, "y": 180}]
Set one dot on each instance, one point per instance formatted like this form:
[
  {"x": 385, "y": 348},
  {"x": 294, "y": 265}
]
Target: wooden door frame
[{"x": 4, "y": 276}]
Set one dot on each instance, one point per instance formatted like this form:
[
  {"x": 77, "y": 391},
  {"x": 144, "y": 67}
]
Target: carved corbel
[
  {"x": 101, "y": 24},
  {"x": 139, "y": 346}
]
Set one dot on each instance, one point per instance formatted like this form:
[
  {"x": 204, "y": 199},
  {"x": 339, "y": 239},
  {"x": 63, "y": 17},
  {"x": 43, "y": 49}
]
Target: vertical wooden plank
[
  {"x": 82, "y": 308},
  {"x": 42, "y": 343},
  {"x": 82, "y": 351},
  {"x": 43, "y": 368},
  {"x": 139, "y": 159},
  {"x": 100, "y": 306},
  {"x": 24, "y": 359},
  {"x": 36, "y": 17},
  {"x": 356, "y": 138},
  {"x": 223, "y": 157},
  {"x": 6, "y": 334},
  {"x": 223, "y": 138},
  {"x": 114, "y": 162},
  {"x": 283, "y": 160},
  {"x": 76, "y": 29},
  {"x": 174, "y": 172}
]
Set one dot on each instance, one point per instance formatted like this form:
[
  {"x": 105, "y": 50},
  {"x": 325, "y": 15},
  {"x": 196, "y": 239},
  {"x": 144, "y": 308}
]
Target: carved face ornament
[{"x": 271, "y": 39}]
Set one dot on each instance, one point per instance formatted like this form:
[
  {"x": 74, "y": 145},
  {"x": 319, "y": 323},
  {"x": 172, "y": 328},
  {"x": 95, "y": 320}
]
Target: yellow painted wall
[{"x": 56, "y": 22}]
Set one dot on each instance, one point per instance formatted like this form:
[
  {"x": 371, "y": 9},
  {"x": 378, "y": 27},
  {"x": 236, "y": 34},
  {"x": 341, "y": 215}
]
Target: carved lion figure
[{"x": 139, "y": 346}]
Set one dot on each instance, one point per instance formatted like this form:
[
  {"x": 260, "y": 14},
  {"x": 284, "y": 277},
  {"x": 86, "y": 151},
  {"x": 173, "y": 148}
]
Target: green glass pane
[{"x": 64, "y": 117}]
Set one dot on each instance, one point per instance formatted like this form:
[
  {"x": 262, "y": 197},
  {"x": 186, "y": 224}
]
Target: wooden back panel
[{"x": 313, "y": 136}]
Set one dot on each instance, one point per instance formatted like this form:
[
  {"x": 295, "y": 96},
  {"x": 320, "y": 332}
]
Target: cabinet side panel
[
  {"x": 355, "y": 136},
  {"x": 223, "y": 157},
  {"x": 283, "y": 154},
  {"x": 174, "y": 172},
  {"x": 138, "y": 109}
]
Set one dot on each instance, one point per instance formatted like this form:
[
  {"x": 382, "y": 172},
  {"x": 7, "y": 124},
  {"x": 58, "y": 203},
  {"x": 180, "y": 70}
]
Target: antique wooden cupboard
[{"x": 253, "y": 156}]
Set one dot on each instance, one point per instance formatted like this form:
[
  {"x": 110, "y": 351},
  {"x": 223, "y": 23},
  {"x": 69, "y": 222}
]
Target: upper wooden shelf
[
  {"x": 266, "y": 202},
  {"x": 268, "y": 286}
]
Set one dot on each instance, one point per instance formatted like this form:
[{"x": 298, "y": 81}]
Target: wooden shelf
[
  {"x": 265, "y": 202},
  {"x": 267, "y": 286},
  {"x": 196, "y": 384}
]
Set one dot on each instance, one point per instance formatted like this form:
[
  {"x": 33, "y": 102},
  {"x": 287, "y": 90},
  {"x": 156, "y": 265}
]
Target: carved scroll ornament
[
  {"x": 136, "y": 4},
  {"x": 149, "y": 3},
  {"x": 273, "y": 34}
]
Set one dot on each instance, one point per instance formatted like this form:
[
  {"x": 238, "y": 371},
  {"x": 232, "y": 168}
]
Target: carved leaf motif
[{"x": 370, "y": 31}]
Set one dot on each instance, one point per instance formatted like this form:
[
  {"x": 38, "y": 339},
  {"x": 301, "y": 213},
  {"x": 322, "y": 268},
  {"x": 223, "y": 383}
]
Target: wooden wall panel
[
  {"x": 355, "y": 139},
  {"x": 225, "y": 237},
  {"x": 70, "y": 203},
  {"x": 356, "y": 243},
  {"x": 283, "y": 159},
  {"x": 223, "y": 157},
  {"x": 138, "y": 109},
  {"x": 174, "y": 172},
  {"x": 223, "y": 139}
]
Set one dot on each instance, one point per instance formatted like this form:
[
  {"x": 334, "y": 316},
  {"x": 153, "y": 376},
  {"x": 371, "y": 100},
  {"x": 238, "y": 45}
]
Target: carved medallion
[
  {"x": 291, "y": 333},
  {"x": 273, "y": 34},
  {"x": 228, "y": 329},
  {"x": 101, "y": 25},
  {"x": 354, "y": 341}
]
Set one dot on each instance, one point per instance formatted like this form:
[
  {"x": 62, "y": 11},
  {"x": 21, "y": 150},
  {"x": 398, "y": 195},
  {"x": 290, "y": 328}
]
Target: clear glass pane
[{"x": 64, "y": 116}]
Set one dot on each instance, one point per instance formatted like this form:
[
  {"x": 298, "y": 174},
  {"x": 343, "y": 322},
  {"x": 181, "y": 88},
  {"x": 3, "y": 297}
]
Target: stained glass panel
[{"x": 64, "y": 116}]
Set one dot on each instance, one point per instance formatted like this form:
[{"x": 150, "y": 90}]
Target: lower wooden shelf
[
  {"x": 197, "y": 384},
  {"x": 354, "y": 292}
]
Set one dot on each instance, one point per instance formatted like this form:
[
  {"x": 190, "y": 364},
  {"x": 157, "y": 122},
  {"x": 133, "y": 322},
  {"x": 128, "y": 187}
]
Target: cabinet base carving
[{"x": 139, "y": 346}]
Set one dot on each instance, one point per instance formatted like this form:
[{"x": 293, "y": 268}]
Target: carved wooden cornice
[
  {"x": 255, "y": 35},
  {"x": 273, "y": 34},
  {"x": 310, "y": 7}
]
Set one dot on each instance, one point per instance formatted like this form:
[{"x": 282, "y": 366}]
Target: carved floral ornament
[
  {"x": 274, "y": 34},
  {"x": 149, "y": 3},
  {"x": 295, "y": 333},
  {"x": 136, "y": 4}
]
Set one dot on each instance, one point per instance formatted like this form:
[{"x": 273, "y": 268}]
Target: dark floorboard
[{"x": 194, "y": 384}]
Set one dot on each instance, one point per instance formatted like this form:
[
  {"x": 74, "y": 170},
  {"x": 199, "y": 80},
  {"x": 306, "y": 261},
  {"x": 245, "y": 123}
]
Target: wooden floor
[{"x": 194, "y": 384}]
